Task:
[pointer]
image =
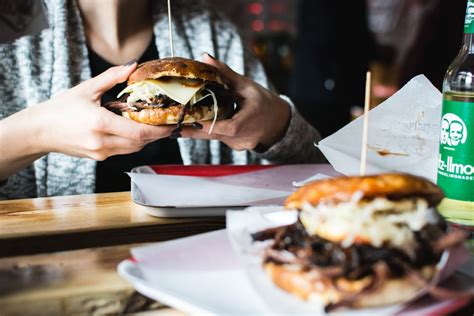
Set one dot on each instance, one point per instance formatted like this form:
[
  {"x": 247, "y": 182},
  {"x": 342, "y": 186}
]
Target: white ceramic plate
[{"x": 202, "y": 275}]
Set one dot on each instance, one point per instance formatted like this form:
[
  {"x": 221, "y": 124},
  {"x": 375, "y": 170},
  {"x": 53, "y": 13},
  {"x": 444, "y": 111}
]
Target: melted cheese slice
[{"x": 177, "y": 90}]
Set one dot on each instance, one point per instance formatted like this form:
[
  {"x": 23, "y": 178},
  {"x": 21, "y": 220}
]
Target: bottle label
[
  {"x": 456, "y": 151},
  {"x": 469, "y": 20}
]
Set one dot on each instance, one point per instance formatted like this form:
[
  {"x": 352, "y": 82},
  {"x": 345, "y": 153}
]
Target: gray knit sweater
[{"x": 36, "y": 67}]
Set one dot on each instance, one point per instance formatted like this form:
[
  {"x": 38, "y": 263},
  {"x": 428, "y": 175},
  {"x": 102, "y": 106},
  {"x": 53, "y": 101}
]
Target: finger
[
  {"x": 242, "y": 143},
  {"x": 112, "y": 145},
  {"x": 190, "y": 132},
  {"x": 108, "y": 79},
  {"x": 124, "y": 151},
  {"x": 117, "y": 125},
  {"x": 104, "y": 154},
  {"x": 229, "y": 127},
  {"x": 115, "y": 143},
  {"x": 232, "y": 142},
  {"x": 234, "y": 79}
]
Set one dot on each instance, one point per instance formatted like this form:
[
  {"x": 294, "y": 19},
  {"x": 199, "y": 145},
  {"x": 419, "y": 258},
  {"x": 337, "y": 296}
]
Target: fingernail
[
  {"x": 131, "y": 62},
  {"x": 211, "y": 56},
  {"x": 197, "y": 125}
]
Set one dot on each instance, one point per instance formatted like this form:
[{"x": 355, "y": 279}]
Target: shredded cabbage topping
[
  {"x": 216, "y": 109},
  {"x": 379, "y": 221},
  {"x": 143, "y": 90},
  {"x": 195, "y": 100}
]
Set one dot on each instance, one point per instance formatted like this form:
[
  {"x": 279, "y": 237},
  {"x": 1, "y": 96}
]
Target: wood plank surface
[
  {"x": 73, "y": 222},
  {"x": 80, "y": 282},
  {"x": 71, "y": 282}
]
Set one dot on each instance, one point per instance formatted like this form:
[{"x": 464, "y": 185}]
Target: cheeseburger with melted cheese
[
  {"x": 360, "y": 241},
  {"x": 174, "y": 91}
]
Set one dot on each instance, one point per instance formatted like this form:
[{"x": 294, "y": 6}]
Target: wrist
[
  {"x": 19, "y": 145},
  {"x": 280, "y": 125},
  {"x": 35, "y": 133}
]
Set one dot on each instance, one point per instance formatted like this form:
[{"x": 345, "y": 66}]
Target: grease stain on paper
[{"x": 387, "y": 152}]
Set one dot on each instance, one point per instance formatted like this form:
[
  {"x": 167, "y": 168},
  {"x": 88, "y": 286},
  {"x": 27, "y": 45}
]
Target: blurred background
[{"x": 318, "y": 51}]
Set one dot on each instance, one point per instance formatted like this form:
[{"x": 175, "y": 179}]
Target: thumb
[
  {"x": 108, "y": 79},
  {"x": 231, "y": 77}
]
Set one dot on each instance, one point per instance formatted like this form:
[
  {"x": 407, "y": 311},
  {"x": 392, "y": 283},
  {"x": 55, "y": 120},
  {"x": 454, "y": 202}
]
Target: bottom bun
[
  {"x": 311, "y": 286},
  {"x": 170, "y": 115}
]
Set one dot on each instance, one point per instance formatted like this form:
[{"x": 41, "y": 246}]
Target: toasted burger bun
[
  {"x": 181, "y": 68},
  {"x": 393, "y": 186},
  {"x": 175, "y": 67},
  {"x": 170, "y": 115},
  {"x": 310, "y": 286}
]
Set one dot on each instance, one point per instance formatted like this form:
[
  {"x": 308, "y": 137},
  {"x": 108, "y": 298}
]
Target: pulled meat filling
[
  {"x": 224, "y": 97},
  {"x": 333, "y": 261},
  {"x": 354, "y": 262}
]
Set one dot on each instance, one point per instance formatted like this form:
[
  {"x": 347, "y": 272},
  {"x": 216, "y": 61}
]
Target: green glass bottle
[{"x": 456, "y": 152}]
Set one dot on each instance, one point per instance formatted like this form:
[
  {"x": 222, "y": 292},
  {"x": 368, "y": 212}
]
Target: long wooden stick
[
  {"x": 365, "y": 130},
  {"x": 170, "y": 26}
]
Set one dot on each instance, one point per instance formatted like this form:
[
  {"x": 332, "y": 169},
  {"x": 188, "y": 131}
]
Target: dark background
[{"x": 318, "y": 51}]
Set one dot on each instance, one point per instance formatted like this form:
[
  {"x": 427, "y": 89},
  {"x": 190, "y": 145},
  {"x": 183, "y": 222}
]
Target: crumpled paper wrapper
[{"x": 403, "y": 134}]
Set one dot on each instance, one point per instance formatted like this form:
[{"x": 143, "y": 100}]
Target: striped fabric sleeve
[{"x": 298, "y": 144}]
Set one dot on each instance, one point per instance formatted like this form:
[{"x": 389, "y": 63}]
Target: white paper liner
[
  {"x": 261, "y": 187},
  {"x": 403, "y": 134},
  {"x": 240, "y": 226},
  {"x": 318, "y": 176}
]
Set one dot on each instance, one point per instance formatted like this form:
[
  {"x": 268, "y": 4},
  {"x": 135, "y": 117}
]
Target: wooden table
[
  {"x": 76, "y": 222},
  {"x": 104, "y": 227},
  {"x": 71, "y": 282}
]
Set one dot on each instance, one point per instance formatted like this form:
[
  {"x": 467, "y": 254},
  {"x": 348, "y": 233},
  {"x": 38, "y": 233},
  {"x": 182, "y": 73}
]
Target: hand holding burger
[
  {"x": 74, "y": 123},
  {"x": 81, "y": 128},
  {"x": 261, "y": 120}
]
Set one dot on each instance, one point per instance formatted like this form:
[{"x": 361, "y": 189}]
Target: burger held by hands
[
  {"x": 74, "y": 123},
  {"x": 206, "y": 101}
]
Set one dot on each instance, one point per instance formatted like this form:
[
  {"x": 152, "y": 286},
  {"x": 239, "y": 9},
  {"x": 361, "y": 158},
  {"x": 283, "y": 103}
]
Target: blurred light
[
  {"x": 384, "y": 91},
  {"x": 329, "y": 84},
  {"x": 283, "y": 51},
  {"x": 277, "y": 25},
  {"x": 258, "y": 25},
  {"x": 255, "y": 8},
  {"x": 278, "y": 8},
  {"x": 356, "y": 111}
]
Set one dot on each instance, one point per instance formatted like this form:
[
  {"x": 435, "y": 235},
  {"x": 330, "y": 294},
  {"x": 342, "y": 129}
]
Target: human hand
[
  {"x": 75, "y": 124},
  {"x": 262, "y": 118}
]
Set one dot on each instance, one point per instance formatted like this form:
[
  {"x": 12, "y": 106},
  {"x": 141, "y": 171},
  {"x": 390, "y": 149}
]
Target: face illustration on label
[
  {"x": 453, "y": 130},
  {"x": 445, "y": 132},
  {"x": 469, "y": 12}
]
